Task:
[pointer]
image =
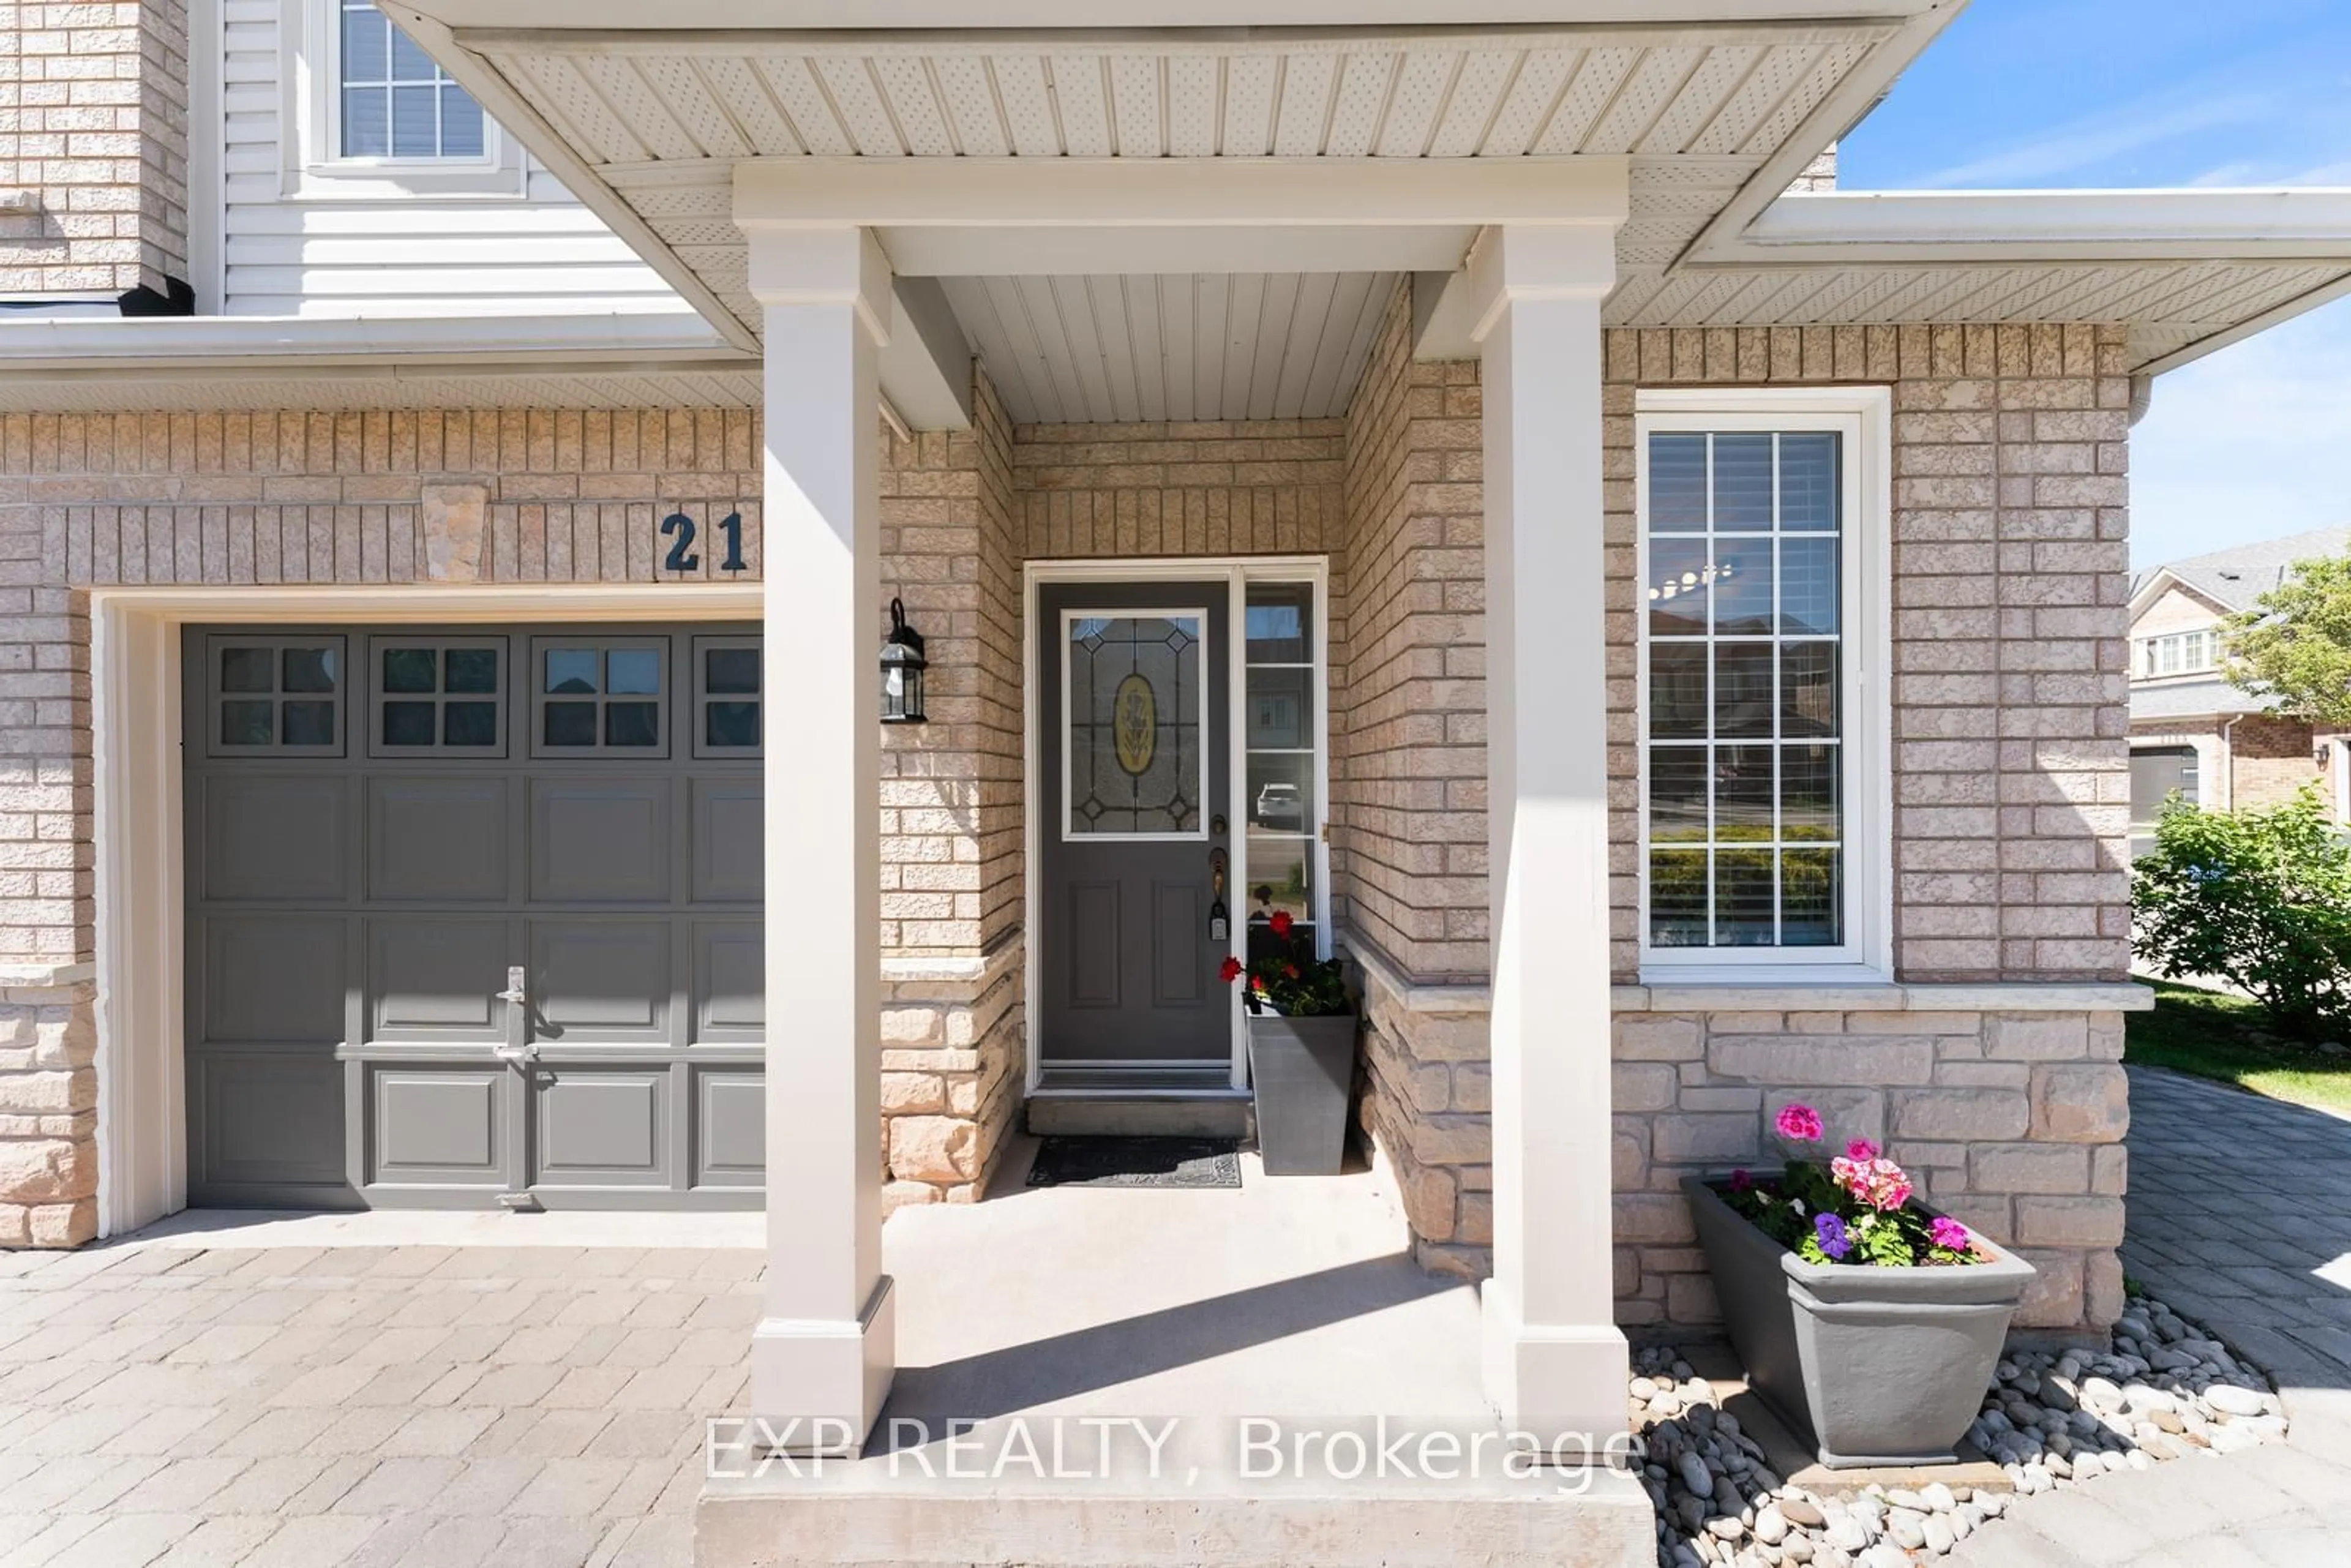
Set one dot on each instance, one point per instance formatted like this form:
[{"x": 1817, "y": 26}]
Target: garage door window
[
  {"x": 440, "y": 696},
  {"x": 277, "y": 699},
  {"x": 726, "y": 677},
  {"x": 601, "y": 699}
]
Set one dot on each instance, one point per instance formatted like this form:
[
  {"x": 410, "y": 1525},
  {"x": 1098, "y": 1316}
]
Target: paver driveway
[
  {"x": 2240, "y": 1217},
  {"x": 304, "y": 1406}
]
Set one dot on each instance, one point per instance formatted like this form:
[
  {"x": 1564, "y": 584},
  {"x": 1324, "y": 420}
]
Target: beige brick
[{"x": 2085, "y": 1222}]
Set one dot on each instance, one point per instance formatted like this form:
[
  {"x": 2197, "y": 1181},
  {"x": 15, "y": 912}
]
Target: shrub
[{"x": 2259, "y": 898}]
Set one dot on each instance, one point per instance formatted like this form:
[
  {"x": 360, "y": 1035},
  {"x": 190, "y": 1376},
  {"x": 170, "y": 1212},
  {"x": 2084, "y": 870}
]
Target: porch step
[
  {"x": 857, "y": 1514},
  {"x": 1157, "y": 1101}
]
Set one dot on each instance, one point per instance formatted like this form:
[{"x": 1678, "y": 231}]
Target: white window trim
[
  {"x": 1864, "y": 416},
  {"x": 310, "y": 69}
]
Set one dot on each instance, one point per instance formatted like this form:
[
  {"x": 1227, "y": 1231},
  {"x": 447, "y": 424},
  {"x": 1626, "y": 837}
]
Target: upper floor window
[
  {"x": 392, "y": 101},
  {"x": 2179, "y": 653},
  {"x": 1762, "y": 731}
]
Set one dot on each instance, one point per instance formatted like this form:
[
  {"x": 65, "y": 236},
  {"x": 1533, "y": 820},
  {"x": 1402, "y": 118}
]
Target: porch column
[
  {"x": 1556, "y": 1361},
  {"x": 822, "y": 1355}
]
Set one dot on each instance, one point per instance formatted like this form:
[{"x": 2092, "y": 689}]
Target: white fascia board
[
  {"x": 165, "y": 341},
  {"x": 1135, "y": 18},
  {"x": 1855, "y": 95},
  {"x": 2302, "y": 223},
  {"x": 1178, "y": 192}
]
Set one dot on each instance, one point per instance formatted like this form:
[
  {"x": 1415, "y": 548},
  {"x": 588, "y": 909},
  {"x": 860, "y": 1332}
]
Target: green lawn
[{"x": 2213, "y": 1035}]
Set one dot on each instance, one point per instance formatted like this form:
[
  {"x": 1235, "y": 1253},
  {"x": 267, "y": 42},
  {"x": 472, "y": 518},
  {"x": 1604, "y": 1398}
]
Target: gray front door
[
  {"x": 1134, "y": 722},
  {"x": 386, "y": 829}
]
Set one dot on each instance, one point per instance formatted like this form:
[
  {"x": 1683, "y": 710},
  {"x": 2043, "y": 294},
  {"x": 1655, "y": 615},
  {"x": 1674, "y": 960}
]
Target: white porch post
[
  {"x": 822, "y": 1355},
  {"x": 1556, "y": 1361}
]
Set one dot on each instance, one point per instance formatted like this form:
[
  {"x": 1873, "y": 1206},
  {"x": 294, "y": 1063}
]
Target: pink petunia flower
[
  {"x": 1949, "y": 1233},
  {"x": 1800, "y": 1122}
]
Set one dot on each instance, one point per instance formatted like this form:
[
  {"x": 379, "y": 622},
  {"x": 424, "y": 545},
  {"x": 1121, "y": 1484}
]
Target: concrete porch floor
[{"x": 1040, "y": 1314}]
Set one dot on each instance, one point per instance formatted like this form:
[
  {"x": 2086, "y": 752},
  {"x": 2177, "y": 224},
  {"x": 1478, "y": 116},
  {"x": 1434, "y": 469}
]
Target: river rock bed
[{"x": 2164, "y": 1389}]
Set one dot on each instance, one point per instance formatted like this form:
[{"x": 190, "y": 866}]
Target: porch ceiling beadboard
[
  {"x": 1208, "y": 346},
  {"x": 658, "y": 121}
]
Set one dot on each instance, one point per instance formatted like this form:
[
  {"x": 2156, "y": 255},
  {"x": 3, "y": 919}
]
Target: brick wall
[
  {"x": 952, "y": 1022},
  {"x": 1408, "y": 733},
  {"x": 1210, "y": 487},
  {"x": 2011, "y": 585},
  {"x": 2269, "y": 759},
  {"x": 2012, "y": 793},
  {"x": 94, "y": 129}
]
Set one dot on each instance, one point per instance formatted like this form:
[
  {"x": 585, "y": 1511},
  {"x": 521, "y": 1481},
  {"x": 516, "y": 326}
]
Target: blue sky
[{"x": 2245, "y": 443}]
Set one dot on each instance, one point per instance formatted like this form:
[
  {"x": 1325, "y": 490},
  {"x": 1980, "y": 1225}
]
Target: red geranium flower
[
  {"x": 1279, "y": 923},
  {"x": 1289, "y": 971},
  {"x": 1231, "y": 970}
]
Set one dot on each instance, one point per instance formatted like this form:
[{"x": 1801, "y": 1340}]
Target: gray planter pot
[
  {"x": 1875, "y": 1366},
  {"x": 1304, "y": 1070}
]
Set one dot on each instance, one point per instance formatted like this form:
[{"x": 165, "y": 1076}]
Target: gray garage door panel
[
  {"x": 441, "y": 841},
  {"x": 601, "y": 1127},
  {"x": 272, "y": 979},
  {"x": 272, "y": 1120},
  {"x": 602, "y": 979},
  {"x": 381, "y": 824},
  {"x": 731, "y": 1150},
  {"x": 439, "y": 1126},
  {"x": 282, "y": 839}
]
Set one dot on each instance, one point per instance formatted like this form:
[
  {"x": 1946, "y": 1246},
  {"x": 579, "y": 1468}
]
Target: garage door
[
  {"x": 2156, "y": 772},
  {"x": 474, "y": 916}
]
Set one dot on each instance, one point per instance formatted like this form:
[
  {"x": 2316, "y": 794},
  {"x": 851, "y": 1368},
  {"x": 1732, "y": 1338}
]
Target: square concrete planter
[
  {"x": 1304, "y": 1073},
  {"x": 1875, "y": 1366}
]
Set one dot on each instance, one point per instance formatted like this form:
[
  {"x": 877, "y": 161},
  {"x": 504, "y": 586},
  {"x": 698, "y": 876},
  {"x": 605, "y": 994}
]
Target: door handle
[{"x": 518, "y": 1049}]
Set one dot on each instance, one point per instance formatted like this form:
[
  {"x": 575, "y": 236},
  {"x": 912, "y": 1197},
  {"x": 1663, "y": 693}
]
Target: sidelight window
[
  {"x": 1758, "y": 835},
  {"x": 1280, "y": 732}
]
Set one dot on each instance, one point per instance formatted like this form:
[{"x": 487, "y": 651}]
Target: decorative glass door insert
[{"x": 1134, "y": 750}]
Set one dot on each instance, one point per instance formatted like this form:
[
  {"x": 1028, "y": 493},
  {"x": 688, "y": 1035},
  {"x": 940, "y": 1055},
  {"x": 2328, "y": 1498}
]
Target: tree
[{"x": 2293, "y": 649}]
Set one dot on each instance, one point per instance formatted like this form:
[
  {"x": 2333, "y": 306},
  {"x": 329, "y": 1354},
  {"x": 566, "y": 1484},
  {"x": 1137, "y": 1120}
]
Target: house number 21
[{"x": 679, "y": 529}]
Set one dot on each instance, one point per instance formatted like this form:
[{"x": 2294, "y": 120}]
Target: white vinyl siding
[{"x": 306, "y": 234}]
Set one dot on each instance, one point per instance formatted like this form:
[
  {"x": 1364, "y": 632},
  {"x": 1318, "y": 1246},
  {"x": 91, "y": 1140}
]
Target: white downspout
[{"x": 2228, "y": 762}]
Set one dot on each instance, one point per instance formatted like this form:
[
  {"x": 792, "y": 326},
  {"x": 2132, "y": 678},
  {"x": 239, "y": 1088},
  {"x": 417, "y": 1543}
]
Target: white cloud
[
  {"x": 2100, "y": 138},
  {"x": 2249, "y": 444}
]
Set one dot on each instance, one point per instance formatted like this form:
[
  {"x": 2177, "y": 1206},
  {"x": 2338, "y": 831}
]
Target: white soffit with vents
[{"x": 1713, "y": 107}]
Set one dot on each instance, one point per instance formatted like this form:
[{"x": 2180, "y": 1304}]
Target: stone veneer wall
[
  {"x": 2011, "y": 795},
  {"x": 94, "y": 127},
  {"x": 2011, "y": 1121}
]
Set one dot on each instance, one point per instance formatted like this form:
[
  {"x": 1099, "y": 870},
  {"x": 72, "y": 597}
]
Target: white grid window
[
  {"x": 1762, "y": 734},
  {"x": 2178, "y": 653},
  {"x": 393, "y": 102}
]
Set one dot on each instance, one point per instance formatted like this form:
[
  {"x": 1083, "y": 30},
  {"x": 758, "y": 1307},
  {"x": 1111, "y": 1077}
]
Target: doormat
[{"x": 1135, "y": 1162}]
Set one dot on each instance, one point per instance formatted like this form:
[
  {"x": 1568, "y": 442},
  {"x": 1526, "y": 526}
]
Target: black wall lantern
[{"x": 901, "y": 670}]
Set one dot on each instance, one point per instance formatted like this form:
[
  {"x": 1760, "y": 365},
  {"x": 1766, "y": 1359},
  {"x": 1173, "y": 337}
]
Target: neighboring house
[
  {"x": 2191, "y": 730},
  {"x": 1680, "y": 626}
]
